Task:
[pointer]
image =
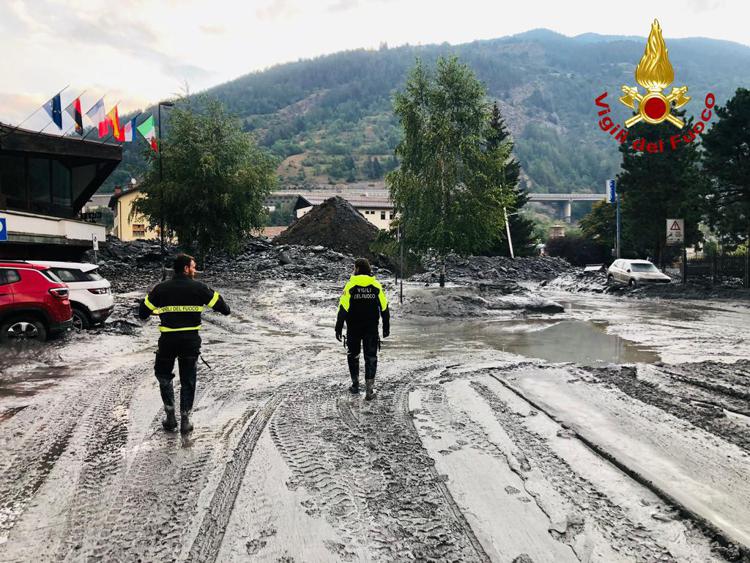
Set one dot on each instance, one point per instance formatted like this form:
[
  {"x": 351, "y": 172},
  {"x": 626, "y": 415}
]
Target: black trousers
[
  {"x": 356, "y": 340},
  {"x": 185, "y": 347}
]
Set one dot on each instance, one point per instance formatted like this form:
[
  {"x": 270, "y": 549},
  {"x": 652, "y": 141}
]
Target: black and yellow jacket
[
  {"x": 362, "y": 304},
  {"x": 179, "y": 303}
]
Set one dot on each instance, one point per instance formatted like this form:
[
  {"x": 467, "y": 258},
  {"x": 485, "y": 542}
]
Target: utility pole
[
  {"x": 161, "y": 196},
  {"x": 618, "y": 248},
  {"x": 507, "y": 230}
]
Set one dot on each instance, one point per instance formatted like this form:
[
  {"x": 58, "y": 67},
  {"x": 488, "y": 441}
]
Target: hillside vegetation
[{"x": 330, "y": 119}]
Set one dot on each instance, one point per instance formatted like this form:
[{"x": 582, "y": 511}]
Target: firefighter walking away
[
  {"x": 360, "y": 307},
  {"x": 179, "y": 303}
]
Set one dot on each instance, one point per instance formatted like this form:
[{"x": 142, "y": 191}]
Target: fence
[{"x": 717, "y": 268}]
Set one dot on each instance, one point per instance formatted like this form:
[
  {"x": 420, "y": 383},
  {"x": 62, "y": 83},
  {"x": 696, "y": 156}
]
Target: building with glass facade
[{"x": 45, "y": 181}]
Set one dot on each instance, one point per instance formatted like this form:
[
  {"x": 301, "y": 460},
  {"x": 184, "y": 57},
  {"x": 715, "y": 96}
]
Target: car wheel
[
  {"x": 632, "y": 283},
  {"x": 81, "y": 319},
  {"x": 23, "y": 329},
  {"x": 610, "y": 279}
]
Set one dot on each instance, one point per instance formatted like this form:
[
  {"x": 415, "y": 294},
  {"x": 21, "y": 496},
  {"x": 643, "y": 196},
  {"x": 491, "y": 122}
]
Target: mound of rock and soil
[
  {"x": 476, "y": 300},
  {"x": 334, "y": 224},
  {"x": 493, "y": 268}
]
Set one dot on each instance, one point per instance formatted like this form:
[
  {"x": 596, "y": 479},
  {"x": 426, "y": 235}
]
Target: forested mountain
[{"x": 330, "y": 118}]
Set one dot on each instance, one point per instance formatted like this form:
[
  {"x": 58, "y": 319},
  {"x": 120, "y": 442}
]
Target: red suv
[{"x": 33, "y": 302}]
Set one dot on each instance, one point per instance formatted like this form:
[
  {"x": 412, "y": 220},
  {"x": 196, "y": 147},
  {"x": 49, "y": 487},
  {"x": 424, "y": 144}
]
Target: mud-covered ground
[{"x": 506, "y": 429}]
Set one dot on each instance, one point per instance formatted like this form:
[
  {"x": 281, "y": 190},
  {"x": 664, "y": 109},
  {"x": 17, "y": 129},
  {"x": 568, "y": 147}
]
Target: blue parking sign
[
  {"x": 611, "y": 194},
  {"x": 3, "y": 228}
]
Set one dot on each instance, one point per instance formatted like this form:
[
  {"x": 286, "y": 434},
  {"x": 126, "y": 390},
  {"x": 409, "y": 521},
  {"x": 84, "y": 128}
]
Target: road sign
[
  {"x": 95, "y": 242},
  {"x": 611, "y": 193},
  {"x": 3, "y": 228},
  {"x": 675, "y": 231}
]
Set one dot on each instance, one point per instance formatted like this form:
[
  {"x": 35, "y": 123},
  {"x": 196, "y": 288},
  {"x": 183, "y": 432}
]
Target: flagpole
[{"x": 32, "y": 114}]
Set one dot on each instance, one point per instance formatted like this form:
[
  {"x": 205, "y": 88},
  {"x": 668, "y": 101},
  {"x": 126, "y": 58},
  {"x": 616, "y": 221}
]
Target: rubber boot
[
  {"x": 370, "y": 389},
  {"x": 185, "y": 425},
  {"x": 354, "y": 389},
  {"x": 170, "y": 422}
]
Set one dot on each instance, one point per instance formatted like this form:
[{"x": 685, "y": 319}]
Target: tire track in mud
[
  {"x": 369, "y": 476},
  {"x": 720, "y": 543},
  {"x": 623, "y": 535},
  {"x": 102, "y": 435},
  {"x": 206, "y": 546}
]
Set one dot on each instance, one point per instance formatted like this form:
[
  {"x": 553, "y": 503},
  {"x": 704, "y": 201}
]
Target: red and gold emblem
[{"x": 655, "y": 73}]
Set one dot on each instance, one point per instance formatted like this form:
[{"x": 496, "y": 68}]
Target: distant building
[
  {"x": 375, "y": 205},
  {"x": 557, "y": 231},
  {"x": 129, "y": 226},
  {"x": 45, "y": 181}
]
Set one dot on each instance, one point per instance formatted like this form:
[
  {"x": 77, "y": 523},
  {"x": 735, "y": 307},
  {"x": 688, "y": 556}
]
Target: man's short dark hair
[
  {"x": 181, "y": 261},
  {"x": 362, "y": 267}
]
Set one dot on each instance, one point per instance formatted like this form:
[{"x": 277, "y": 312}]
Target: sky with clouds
[{"x": 137, "y": 52}]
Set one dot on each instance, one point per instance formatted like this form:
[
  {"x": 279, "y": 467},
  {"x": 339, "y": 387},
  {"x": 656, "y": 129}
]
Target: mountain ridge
[{"x": 329, "y": 116}]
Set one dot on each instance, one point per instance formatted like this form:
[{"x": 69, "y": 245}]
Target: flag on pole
[
  {"x": 114, "y": 119},
  {"x": 149, "y": 133},
  {"x": 53, "y": 109},
  {"x": 129, "y": 131},
  {"x": 98, "y": 117},
  {"x": 74, "y": 111}
]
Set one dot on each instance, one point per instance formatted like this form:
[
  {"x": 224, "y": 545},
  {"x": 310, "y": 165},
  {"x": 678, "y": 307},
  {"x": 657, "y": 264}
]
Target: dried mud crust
[
  {"x": 705, "y": 394},
  {"x": 592, "y": 506},
  {"x": 378, "y": 489}
]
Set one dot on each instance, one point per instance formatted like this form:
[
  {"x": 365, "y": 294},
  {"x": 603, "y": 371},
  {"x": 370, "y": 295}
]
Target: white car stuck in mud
[
  {"x": 90, "y": 294},
  {"x": 635, "y": 272}
]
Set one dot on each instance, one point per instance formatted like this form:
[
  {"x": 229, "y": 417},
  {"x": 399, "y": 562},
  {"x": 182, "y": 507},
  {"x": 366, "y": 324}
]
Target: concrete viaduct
[{"x": 566, "y": 199}]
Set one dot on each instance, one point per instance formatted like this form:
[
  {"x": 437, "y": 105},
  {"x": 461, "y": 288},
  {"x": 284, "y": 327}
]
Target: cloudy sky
[{"x": 139, "y": 51}]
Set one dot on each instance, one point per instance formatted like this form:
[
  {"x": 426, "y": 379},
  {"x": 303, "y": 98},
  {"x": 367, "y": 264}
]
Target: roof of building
[
  {"x": 359, "y": 201},
  {"x": 117, "y": 195},
  {"x": 272, "y": 232},
  {"x": 24, "y": 140}
]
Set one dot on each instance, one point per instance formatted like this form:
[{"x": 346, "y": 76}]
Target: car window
[
  {"x": 50, "y": 275},
  {"x": 9, "y": 276},
  {"x": 644, "y": 268},
  {"x": 92, "y": 275},
  {"x": 66, "y": 275}
]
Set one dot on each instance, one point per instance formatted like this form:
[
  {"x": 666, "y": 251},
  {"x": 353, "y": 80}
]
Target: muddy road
[{"x": 615, "y": 430}]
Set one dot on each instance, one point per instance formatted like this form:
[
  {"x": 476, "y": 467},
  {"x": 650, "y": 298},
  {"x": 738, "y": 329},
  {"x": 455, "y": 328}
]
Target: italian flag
[{"x": 149, "y": 133}]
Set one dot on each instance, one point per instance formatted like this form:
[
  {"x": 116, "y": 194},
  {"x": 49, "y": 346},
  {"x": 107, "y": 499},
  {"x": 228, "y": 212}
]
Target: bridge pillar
[{"x": 568, "y": 211}]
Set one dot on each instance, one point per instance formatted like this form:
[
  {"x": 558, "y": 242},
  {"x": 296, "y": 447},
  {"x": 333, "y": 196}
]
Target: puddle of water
[{"x": 581, "y": 342}]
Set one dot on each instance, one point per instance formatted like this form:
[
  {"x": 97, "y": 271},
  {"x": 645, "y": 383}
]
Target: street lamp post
[{"x": 161, "y": 195}]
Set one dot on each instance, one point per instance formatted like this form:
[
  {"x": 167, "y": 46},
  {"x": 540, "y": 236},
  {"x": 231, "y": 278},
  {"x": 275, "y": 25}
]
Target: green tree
[
  {"x": 656, "y": 186},
  {"x": 447, "y": 189},
  {"x": 727, "y": 163},
  {"x": 215, "y": 180},
  {"x": 521, "y": 227},
  {"x": 599, "y": 224}
]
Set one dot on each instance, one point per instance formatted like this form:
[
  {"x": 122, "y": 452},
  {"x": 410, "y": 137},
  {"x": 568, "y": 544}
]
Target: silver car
[{"x": 635, "y": 272}]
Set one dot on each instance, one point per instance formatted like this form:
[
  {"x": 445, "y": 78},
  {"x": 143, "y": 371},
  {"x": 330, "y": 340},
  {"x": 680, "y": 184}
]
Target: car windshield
[
  {"x": 643, "y": 268},
  {"x": 93, "y": 275}
]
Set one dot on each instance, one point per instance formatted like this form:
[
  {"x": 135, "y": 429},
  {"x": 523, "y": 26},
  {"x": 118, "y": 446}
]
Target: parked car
[
  {"x": 90, "y": 294},
  {"x": 635, "y": 272},
  {"x": 34, "y": 302}
]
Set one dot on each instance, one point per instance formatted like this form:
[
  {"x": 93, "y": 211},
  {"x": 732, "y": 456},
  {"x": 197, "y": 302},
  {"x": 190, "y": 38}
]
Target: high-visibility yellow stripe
[
  {"x": 148, "y": 304},
  {"x": 179, "y": 309},
  {"x": 214, "y": 299},
  {"x": 346, "y": 297},
  {"x": 181, "y": 329}
]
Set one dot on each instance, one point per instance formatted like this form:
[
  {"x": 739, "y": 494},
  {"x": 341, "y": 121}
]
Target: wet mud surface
[{"x": 514, "y": 435}]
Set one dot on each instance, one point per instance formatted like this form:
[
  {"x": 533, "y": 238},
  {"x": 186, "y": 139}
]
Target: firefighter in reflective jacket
[
  {"x": 361, "y": 306},
  {"x": 179, "y": 303}
]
